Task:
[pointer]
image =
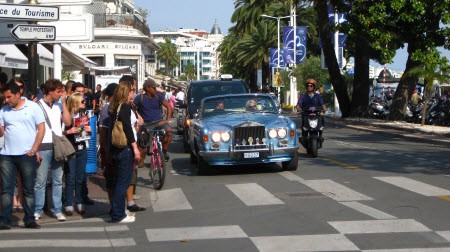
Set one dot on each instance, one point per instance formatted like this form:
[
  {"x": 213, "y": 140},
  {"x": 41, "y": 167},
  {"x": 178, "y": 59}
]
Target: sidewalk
[
  {"x": 97, "y": 192},
  {"x": 411, "y": 131}
]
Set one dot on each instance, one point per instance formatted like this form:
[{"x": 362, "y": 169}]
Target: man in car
[
  {"x": 219, "y": 106},
  {"x": 250, "y": 105}
]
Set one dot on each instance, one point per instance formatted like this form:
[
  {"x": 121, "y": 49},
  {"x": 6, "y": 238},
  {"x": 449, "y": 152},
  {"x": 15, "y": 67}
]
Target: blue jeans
[
  {"x": 124, "y": 160},
  {"x": 27, "y": 166},
  {"x": 75, "y": 177},
  {"x": 56, "y": 168}
]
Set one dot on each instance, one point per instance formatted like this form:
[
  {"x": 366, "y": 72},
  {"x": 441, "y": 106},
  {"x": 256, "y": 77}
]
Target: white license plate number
[{"x": 251, "y": 154}]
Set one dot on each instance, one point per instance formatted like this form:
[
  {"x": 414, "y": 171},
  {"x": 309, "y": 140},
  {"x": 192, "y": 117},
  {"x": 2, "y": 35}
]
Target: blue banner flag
[
  {"x": 273, "y": 58},
  {"x": 299, "y": 43},
  {"x": 341, "y": 19}
]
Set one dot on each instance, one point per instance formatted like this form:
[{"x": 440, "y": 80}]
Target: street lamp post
[
  {"x": 278, "y": 43},
  {"x": 278, "y": 32}
]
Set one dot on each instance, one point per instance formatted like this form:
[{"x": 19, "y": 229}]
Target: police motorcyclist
[{"x": 308, "y": 100}]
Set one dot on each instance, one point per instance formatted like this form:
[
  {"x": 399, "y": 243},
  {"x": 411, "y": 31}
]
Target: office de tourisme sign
[{"x": 29, "y": 12}]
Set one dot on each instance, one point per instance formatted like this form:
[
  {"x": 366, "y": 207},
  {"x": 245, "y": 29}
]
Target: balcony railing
[{"x": 120, "y": 20}]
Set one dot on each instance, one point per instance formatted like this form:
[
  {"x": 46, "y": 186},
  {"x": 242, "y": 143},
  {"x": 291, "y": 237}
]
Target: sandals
[{"x": 18, "y": 209}]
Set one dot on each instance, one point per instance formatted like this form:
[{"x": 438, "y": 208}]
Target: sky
[
  {"x": 194, "y": 14},
  {"x": 201, "y": 14}
]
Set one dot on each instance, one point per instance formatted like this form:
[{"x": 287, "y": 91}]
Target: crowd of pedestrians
[{"x": 27, "y": 158}]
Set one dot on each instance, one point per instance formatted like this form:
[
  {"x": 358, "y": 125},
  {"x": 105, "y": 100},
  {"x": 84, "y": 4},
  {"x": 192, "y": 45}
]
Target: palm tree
[
  {"x": 433, "y": 68},
  {"x": 190, "y": 71},
  {"x": 168, "y": 53},
  {"x": 253, "y": 48}
]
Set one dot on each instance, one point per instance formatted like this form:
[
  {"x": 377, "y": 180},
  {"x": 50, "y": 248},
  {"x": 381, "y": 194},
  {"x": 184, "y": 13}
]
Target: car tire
[
  {"x": 203, "y": 168},
  {"x": 292, "y": 164},
  {"x": 192, "y": 158}
]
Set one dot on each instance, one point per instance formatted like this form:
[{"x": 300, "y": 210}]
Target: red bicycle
[{"x": 154, "y": 151}]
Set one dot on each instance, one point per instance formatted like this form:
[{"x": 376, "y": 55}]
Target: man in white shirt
[
  {"x": 179, "y": 97},
  {"x": 22, "y": 124},
  {"x": 53, "y": 89}
]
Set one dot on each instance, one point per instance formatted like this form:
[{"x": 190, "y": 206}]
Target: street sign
[
  {"x": 29, "y": 12},
  {"x": 56, "y": 2},
  {"x": 34, "y": 32}
]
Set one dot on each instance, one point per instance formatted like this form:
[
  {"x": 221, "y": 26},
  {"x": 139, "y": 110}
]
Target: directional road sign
[
  {"x": 34, "y": 32},
  {"x": 29, "y": 12}
]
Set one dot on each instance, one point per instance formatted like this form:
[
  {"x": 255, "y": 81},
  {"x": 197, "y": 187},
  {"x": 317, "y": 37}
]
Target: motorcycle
[
  {"x": 312, "y": 130},
  {"x": 378, "y": 109},
  {"x": 180, "y": 116}
]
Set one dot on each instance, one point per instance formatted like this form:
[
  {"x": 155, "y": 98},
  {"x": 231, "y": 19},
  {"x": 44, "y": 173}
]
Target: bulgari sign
[{"x": 113, "y": 47}]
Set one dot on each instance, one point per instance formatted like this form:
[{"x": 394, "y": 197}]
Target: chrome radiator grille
[{"x": 249, "y": 137}]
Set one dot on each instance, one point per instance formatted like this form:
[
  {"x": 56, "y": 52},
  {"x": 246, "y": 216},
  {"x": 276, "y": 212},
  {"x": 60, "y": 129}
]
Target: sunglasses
[{"x": 310, "y": 85}]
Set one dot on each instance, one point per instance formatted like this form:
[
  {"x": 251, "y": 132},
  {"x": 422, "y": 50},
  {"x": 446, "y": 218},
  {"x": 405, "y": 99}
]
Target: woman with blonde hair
[
  {"x": 124, "y": 158},
  {"x": 76, "y": 165}
]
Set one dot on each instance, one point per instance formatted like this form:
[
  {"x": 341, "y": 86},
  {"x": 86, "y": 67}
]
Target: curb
[{"x": 415, "y": 135}]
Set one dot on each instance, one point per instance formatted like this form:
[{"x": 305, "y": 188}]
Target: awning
[
  {"x": 45, "y": 56},
  {"x": 13, "y": 57},
  {"x": 73, "y": 60}
]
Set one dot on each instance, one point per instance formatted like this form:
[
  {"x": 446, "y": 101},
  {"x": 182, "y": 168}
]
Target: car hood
[{"x": 229, "y": 121}]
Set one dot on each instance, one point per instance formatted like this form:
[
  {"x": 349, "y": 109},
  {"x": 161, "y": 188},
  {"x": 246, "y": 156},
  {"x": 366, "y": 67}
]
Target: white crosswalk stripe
[
  {"x": 325, "y": 242},
  {"x": 335, "y": 190},
  {"x": 66, "y": 243},
  {"x": 169, "y": 200},
  {"x": 410, "y": 250},
  {"x": 253, "y": 194},
  {"x": 415, "y": 186},
  {"x": 375, "y": 213},
  {"x": 195, "y": 233},
  {"x": 379, "y": 226}
]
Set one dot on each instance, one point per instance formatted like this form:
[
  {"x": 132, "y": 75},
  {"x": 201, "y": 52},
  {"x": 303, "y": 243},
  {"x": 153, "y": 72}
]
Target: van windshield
[{"x": 200, "y": 91}]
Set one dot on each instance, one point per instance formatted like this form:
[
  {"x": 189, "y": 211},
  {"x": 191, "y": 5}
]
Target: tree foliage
[
  {"x": 169, "y": 55},
  {"x": 190, "y": 71}
]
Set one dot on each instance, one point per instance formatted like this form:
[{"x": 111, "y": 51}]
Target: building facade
[
  {"x": 121, "y": 38},
  {"x": 197, "y": 47}
]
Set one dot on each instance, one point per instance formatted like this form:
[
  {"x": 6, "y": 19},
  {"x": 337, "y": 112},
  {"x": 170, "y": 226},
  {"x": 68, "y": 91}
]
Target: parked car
[
  {"x": 248, "y": 130},
  {"x": 197, "y": 90}
]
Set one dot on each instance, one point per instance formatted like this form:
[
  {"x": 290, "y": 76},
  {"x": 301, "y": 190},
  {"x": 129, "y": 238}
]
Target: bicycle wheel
[{"x": 158, "y": 170}]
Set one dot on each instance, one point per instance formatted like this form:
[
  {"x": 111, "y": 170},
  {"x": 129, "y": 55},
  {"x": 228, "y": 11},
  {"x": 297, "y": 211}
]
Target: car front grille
[{"x": 249, "y": 137}]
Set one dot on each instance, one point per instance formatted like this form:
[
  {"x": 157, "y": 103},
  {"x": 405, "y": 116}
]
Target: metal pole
[
  {"x": 337, "y": 111},
  {"x": 278, "y": 29},
  {"x": 33, "y": 62},
  {"x": 293, "y": 84}
]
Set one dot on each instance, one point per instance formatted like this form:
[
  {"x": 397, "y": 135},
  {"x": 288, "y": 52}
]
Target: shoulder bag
[
  {"x": 62, "y": 147},
  {"x": 118, "y": 137}
]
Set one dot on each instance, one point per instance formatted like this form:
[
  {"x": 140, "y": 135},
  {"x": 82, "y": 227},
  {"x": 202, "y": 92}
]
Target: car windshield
[
  {"x": 202, "y": 90},
  {"x": 238, "y": 104}
]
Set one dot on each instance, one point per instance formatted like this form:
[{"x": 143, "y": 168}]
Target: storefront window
[{"x": 132, "y": 63}]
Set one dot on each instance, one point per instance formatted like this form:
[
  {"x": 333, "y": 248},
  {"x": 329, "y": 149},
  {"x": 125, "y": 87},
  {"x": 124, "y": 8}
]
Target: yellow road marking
[
  {"x": 444, "y": 197},
  {"x": 343, "y": 164}
]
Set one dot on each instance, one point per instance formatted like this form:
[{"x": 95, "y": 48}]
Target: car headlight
[
  {"x": 272, "y": 133},
  {"x": 225, "y": 136},
  {"x": 282, "y": 133},
  {"x": 313, "y": 123},
  {"x": 215, "y": 137}
]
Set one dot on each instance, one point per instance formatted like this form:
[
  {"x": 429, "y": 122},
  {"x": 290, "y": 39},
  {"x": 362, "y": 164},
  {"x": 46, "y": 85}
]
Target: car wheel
[
  {"x": 292, "y": 164},
  {"x": 192, "y": 157},
  {"x": 203, "y": 167}
]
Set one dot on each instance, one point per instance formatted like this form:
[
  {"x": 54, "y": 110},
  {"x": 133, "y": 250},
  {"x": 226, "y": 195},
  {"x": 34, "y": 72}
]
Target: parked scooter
[
  {"x": 378, "y": 109},
  {"x": 312, "y": 130}
]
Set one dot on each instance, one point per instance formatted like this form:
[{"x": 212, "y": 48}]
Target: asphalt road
[{"x": 366, "y": 191}]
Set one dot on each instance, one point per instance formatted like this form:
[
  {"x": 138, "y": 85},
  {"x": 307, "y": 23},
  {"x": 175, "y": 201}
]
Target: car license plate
[{"x": 251, "y": 154}]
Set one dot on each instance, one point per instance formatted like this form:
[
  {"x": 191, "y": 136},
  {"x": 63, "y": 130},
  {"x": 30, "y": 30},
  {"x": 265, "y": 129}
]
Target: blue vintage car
[{"x": 242, "y": 129}]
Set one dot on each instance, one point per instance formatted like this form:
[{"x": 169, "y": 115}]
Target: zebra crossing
[{"x": 252, "y": 195}]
